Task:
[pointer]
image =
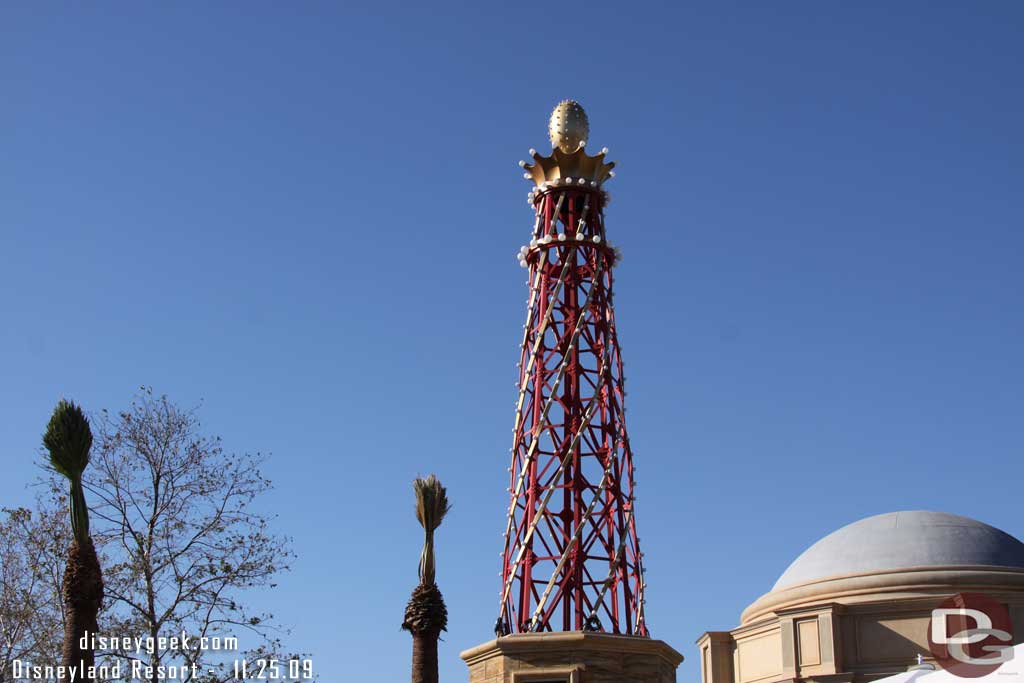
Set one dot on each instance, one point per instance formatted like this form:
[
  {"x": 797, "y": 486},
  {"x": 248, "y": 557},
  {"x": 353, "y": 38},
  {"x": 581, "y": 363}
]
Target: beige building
[{"x": 856, "y": 605}]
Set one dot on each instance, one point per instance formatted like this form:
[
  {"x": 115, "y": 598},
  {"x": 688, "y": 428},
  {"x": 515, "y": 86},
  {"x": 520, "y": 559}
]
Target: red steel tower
[{"x": 572, "y": 559}]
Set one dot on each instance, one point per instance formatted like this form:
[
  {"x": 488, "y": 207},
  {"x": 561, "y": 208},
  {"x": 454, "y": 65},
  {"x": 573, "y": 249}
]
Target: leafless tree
[
  {"x": 183, "y": 545},
  {"x": 33, "y": 550}
]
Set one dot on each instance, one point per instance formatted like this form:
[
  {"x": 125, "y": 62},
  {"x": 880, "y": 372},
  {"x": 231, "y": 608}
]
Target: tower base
[{"x": 572, "y": 657}]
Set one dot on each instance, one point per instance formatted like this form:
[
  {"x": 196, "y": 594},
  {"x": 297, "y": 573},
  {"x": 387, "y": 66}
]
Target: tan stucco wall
[{"x": 849, "y": 629}]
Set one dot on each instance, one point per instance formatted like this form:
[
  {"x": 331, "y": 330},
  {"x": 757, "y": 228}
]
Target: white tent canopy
[{"x": 1010, "y": 672}]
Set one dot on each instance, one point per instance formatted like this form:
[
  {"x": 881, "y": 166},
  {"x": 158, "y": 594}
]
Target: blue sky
[{"x": 306, "y": 217}]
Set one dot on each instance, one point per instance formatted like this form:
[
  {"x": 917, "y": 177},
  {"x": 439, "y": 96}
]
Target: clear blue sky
[{"x": 306, "y": 217}]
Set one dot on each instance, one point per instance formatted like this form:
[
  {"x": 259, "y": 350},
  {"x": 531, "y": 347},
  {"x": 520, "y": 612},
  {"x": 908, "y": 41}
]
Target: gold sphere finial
[{"x": 569, "y": 127}]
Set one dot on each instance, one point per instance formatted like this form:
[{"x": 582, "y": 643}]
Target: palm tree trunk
[
  {"x": 424, "y": 657},
  {"x": 83, "y": 594},
  {"x": 425, "y": 617}
]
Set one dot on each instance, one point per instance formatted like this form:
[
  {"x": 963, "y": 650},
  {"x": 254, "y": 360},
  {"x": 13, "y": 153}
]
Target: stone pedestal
[{"x": 572, "y": 657}]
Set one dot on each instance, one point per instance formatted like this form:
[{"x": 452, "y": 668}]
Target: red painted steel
[{"x": 572, "y": 558}]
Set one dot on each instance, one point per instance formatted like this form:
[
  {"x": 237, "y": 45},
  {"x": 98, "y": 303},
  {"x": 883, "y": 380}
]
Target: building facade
[{"x": 856, "y": 606}]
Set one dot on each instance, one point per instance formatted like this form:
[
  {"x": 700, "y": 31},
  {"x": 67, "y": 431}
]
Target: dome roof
[{"x": 899, "y": 540}]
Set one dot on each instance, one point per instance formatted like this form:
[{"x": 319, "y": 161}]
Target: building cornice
[{"x": 886, "y": 584}]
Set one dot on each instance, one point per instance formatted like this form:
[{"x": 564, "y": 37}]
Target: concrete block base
[{"x": 572, "y": 657}]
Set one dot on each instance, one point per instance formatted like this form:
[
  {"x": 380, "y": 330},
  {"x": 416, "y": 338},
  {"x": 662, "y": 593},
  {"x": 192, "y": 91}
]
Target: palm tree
[
  {"x": 426, "y": 615},
  {"x": 68, "y": 439}
]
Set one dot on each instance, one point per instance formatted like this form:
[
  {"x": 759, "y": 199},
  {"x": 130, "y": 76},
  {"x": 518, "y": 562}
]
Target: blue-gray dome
[{"x": 900, "y": 540}]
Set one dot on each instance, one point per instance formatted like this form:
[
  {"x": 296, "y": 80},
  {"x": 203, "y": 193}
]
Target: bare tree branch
[{"x": 181, "y": 544}]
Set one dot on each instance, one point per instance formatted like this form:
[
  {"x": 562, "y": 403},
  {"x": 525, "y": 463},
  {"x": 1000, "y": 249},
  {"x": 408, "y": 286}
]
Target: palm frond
[
  {"x": 431, "y": 507},
  {"x": 68, "y": 438},
  {"x": 431, "y": 502}
]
